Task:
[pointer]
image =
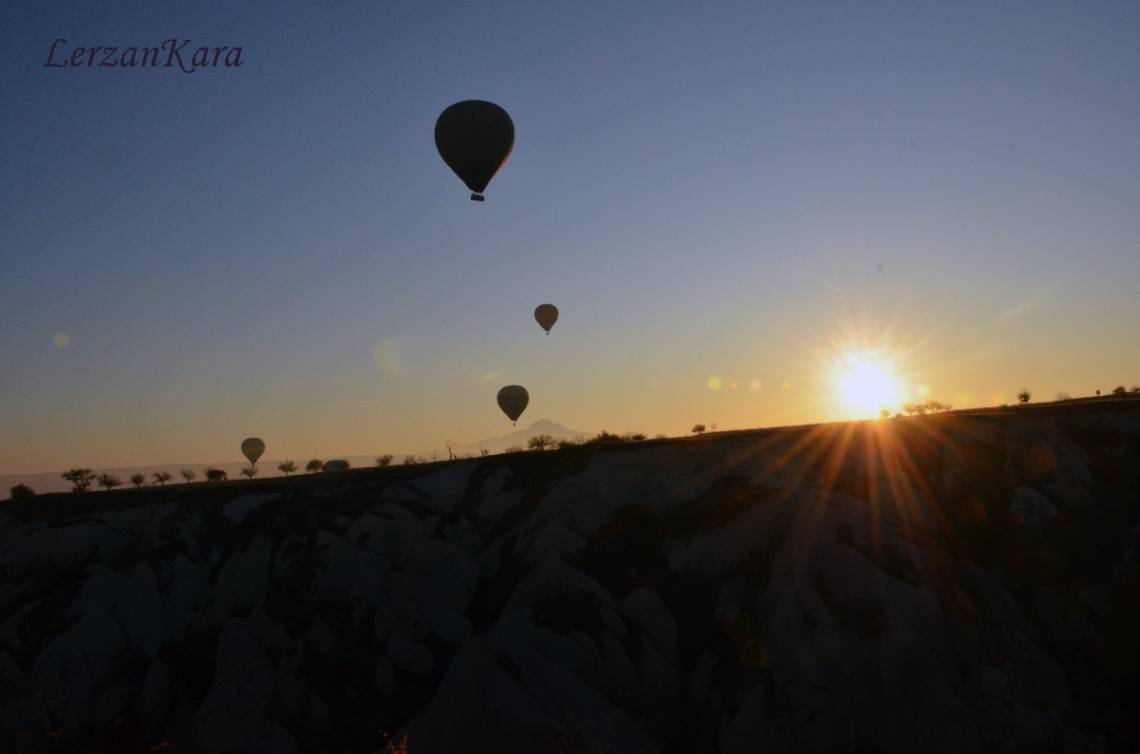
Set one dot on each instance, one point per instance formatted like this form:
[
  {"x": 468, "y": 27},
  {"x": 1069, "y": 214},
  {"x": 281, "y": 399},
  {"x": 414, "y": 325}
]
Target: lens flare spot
[
  {"x": 867, "y": 388},
  {"x": 715, "y": 383},
  {"x": 787, "y": 386},
  {"x": 61, "y": 340},
  {"x": 923, "y": 390},
  {"x": 755, "y": 385},
  {"x": 388, "y": 356}
]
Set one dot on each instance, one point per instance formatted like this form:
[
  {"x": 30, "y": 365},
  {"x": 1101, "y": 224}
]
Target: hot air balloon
[
  {"x": 546, "y": 315},
  {"x": 513, "y": 400},
  {"x": 475, "y": 138},
  {"x": 252, "y": 448}
]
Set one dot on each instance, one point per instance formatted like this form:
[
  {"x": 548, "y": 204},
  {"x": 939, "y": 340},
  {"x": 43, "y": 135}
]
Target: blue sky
[{"x": 703, "y": 191}]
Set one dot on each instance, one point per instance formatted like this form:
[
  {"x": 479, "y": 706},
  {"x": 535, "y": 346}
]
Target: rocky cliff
[{"x": 961, "y": 583}]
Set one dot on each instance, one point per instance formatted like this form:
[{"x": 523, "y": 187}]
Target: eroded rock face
[{"x": 892, "y": 587}]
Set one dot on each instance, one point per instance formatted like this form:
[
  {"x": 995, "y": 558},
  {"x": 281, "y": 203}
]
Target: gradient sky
[{"x": 703, "y": 191}]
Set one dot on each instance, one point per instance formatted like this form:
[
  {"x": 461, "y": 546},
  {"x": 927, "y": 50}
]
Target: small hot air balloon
[
  {"x": 546, "y": 315},
  {"x": 252, "y": 448},
  {"x": 513, "y": 400},
  {"x": 475, "y": 138}
]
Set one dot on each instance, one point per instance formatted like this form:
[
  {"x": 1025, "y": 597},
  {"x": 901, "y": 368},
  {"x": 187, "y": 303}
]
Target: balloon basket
[{"x": 477, "y": 197}]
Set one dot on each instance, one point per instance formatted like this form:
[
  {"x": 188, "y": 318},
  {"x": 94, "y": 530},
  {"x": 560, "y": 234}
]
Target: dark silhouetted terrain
[{"x": 960, "y": 583}]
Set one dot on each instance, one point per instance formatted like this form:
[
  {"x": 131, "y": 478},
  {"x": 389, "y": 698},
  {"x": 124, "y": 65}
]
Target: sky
[{"x": 732, "y": 205}]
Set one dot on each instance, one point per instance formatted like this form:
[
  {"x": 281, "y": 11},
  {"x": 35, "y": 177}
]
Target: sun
[{"x": 867, "y": 388}]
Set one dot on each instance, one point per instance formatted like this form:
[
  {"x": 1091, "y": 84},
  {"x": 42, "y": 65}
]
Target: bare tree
[
  {"x": 712, "y": 427},
  {"x": 138, "y": 480},
  {"x": 936, "y": 407},
  {"x": 699, "y": 429},
  {"x": 1062, "y": 395},
  {"x": 108, "y": 481},
  {"x": 449, "y": 444},
  {"x": 1024, "y": 396},
  {"x": 384, "y": 460},
  {"x": 314, "y": 465},
  {"x": 162, "y": 477},
  {"x": 250, "y": 471},
  {"x": 412, "y": 460},
  {"x": 540, "y": 442},
  {"x": 287, "y": 467},
  {"x": 483, "y": 451},
  {"x": 188, "y": 474},
  {"x": 80, "y": 479},
  {"x": 214, "y": 474}
]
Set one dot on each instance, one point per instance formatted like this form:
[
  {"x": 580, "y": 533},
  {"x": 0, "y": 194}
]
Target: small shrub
[
  {"x": 1119, "y": 390},
  {"x": 108, "y": 481},
  {"x": 162, "y": 477},
  {"x": 250, "y": 471},
  {"x": 412, "y": 460},
  {"x": 21, "y": 492},
  {"x": 214, "y": 475},
  {"x": 1063, "y": 396},
  {"x": 513, "y": 449},
  {"x": 1134, "y": 389},
  {"x": 138, "y": 480},
  {"x": 699, "y": 429},
  {"x": 384, "y": 460},
  {"x": 314, "y": 465},
  {"x": 188, "y": 475},
  {"x": 1024, "y": 396}
]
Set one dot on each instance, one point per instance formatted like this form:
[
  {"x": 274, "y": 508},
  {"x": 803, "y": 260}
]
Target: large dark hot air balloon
[{"x": 475, "y": 138}]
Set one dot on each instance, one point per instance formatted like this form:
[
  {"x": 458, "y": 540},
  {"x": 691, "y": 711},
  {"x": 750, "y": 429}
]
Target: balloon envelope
[
  {"x": 513, "y": 400},
  {"x": 546, "y": 315},
  {"x": 475, "y": 138},
  {"x": 252, "y": 448}
]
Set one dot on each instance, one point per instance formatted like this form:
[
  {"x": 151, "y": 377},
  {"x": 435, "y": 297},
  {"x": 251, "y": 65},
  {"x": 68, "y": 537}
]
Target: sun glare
[{"x": 867, "y": 388}]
